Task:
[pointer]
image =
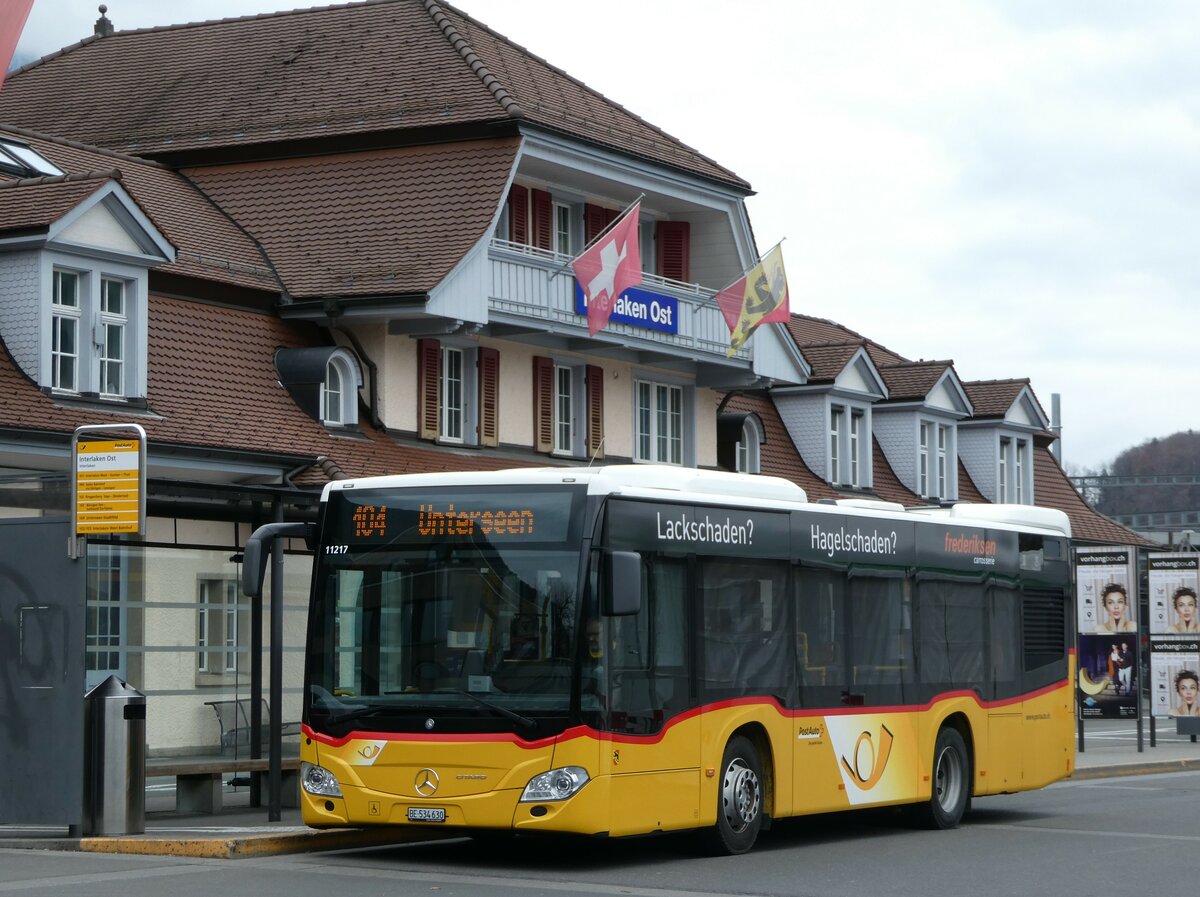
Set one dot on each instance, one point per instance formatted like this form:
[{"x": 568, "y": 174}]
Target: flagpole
[
  {"x": 594, "y": 240},
  {"x": 753, "y": 265}
]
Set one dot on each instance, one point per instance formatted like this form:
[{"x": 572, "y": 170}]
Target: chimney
[{"x": 103, "y": 26}]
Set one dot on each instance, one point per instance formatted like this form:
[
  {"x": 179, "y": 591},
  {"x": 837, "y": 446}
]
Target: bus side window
[
  {"x": 648, "y": 676},
  {"x": 820, "y": 602}
]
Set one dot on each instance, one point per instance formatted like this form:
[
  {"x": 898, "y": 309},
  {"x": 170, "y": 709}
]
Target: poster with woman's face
[
  {"x": 1174, "y": 580},
  {"x": 1175, "y": 684},
  {"x": 1105, "y": 602}
]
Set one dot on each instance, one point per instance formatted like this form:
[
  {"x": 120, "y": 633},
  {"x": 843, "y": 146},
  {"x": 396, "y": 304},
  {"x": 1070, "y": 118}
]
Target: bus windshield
[{"x": 459, "y": 603}]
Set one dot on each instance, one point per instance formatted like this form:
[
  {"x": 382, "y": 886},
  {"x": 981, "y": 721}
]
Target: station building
[{"x": 327, "y": 243}]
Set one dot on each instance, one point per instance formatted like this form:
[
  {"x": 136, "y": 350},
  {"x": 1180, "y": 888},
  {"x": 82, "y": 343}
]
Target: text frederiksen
[{"x": 707, "y": 530}]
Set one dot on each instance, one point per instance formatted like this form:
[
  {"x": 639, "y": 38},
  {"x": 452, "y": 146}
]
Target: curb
[
  {"x": 1136, "y": 769},
  {"x": 233, "y": 846}
]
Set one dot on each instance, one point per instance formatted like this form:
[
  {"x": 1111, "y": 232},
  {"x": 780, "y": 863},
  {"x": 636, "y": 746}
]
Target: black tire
[
  {"x": 740, "y": 799},
  {"x": 950, "y": 782}
]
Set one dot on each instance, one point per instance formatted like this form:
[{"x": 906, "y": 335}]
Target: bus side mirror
[
  {"x": 257, "y": 551},
  {"x": 622, "y": 583}
]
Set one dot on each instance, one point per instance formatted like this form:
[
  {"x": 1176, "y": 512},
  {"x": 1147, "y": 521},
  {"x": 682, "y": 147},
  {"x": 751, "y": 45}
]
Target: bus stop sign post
[{"x": 108, "y": 483}]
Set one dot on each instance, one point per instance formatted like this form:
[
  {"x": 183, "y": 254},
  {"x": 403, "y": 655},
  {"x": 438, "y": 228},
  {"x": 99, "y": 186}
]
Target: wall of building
[
  {"x": 977, "y": 451},
  {"x": 898, "y": 437},
  {"x": 807, "y": 424},
  {"x": 20, "y": 322}
]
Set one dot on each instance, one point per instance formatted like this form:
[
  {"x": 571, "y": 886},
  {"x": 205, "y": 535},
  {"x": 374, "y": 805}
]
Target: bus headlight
[
  {"x": 557, "y": 784},
  {"x": 319, "y": 780}
]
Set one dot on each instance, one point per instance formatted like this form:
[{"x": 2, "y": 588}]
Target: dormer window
[
  {"x": 324, "y": 381},
  {"x": 90, "y": 324}
]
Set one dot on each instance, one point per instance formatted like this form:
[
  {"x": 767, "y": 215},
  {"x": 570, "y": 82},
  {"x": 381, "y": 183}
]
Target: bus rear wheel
[
  {"x": 739, "y": 799},
  {"x": 951, "y": 782}
]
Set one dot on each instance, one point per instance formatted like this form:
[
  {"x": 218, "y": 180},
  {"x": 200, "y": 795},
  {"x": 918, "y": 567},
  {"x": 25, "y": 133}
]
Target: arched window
[
  {"x": 339, "y": 390},
  {"x": 333, "y": 408},
  {"x": 746, "y": 453}
]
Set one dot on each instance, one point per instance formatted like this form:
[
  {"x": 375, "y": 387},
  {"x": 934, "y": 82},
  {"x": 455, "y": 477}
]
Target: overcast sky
[{"x": 1005, "y": 184}]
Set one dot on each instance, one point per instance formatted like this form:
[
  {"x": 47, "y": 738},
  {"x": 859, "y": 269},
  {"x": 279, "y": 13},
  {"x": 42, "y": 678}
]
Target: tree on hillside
[{"x": 1178, "y": 453}]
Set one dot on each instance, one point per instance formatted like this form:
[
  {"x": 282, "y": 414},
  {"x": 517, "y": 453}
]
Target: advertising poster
[
  {"x": 1173, "y": 580},
  {"x": 1107, "y": 605}
]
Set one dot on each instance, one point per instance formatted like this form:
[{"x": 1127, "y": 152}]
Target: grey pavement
[{"x": 1109, "y": 749}]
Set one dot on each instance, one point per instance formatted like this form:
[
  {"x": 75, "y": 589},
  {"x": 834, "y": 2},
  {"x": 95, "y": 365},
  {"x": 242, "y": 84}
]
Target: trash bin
[{"x": 114, "y": 774}]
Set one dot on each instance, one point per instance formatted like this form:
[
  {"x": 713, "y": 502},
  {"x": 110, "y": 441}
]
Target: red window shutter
[
  {"x": 543, "y": 403},
  {"x": 594, "y": 384},
  {"x": 518, "y": 214},
  {"x": 543, "y": 220},
  {"x": 673, "y": 239},
  {"x": 429, "y": 371},
  {"x": 489, "y": 396},
  {"x": 593, "y": 222}
]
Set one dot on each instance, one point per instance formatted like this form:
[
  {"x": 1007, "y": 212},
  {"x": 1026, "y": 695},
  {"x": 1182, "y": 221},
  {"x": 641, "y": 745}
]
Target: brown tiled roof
[
  {"x": 829, "y": 360},
  {"x": 33, "y": 205},
  {"x": 993, "y": 398},
  {"x": 383, "y": 222},
  {"x": 912, "y": 379},
  {"x": 777, "y": 455},
  {"x": 382, "y": 66},
  {"x": 550, "y": 97},
  {"x": 208, "y": 244},
  {"x": 1052, "y": 489},
  {"x": 810, "y": 331}
]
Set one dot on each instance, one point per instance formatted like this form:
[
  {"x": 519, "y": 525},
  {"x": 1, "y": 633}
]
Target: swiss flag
[
  {"x": 13, "y": 14},
  {"x": 609, "y": 268}
]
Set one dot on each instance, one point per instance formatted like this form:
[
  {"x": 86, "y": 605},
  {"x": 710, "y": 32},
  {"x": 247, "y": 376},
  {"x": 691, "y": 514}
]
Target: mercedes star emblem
[{"x": 426, "y": 783}]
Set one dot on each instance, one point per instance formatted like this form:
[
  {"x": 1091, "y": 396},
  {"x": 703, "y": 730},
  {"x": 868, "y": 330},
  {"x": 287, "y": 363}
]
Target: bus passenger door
[
  {"x": 1004, "y": 761},
  {"x": 655, "y": 751}
]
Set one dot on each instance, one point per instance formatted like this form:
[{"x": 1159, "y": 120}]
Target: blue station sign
[{"x": 639, "y": 308}]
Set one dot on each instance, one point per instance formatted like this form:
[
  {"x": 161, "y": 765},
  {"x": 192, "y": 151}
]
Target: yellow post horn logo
[{"x": 868, "y": 778}]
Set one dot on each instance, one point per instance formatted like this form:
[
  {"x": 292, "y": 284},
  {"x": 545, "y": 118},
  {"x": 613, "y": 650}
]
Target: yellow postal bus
[{"x": 632, "y": 649}]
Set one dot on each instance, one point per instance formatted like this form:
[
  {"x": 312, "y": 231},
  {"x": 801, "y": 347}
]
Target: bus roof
[{"x": 670, "y": 483}]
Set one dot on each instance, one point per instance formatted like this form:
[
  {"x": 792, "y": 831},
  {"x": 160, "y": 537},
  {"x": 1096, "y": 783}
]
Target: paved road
[{"x": 1114, "y": 836}]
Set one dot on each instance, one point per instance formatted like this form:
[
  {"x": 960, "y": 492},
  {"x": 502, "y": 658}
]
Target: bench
[
  {"x": 198, "y": 780},
  {"x": 234, "y": 719}
]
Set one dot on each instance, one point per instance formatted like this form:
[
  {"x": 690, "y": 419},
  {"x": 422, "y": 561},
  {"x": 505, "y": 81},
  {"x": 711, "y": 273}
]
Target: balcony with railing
[{"x": 534, "y": 287}]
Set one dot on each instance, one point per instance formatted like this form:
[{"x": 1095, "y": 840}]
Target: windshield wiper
[{"x": 522, "y": 721}]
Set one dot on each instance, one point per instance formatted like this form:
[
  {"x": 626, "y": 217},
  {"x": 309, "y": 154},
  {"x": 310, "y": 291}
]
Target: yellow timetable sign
[{"x": 107, "y": 486}]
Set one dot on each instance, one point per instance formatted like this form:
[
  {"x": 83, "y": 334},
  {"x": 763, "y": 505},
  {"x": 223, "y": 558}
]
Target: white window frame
[
  {"x": 109, "y": 354},
  {"x": 562, "y": 227},
  {"x": 452, "y": 401},
  {"x": 565, "y": 409},
  {"x": 748, "y": 451},
  {"x": 339, "y": 389},
  {"x": 661, "y": 436},
  {"x": 1002, "y": 479},
  {"x": 1019, "y": 448},
  {"x": 66, "y": 317},
  {"x": 923, "y": 460},
  {"x": 836, "y": 414},
  {"x": 219, "y": 630},
  {"x": 943, "y": 440},
  {"x": 857, "y": 421},
  {"x": 113, "y": 323}
]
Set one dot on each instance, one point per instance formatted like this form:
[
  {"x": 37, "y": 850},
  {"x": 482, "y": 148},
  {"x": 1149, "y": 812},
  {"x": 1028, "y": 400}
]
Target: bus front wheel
[
  {"x": 739, "y": 799},
  {"x": 951, "y": 781}
]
